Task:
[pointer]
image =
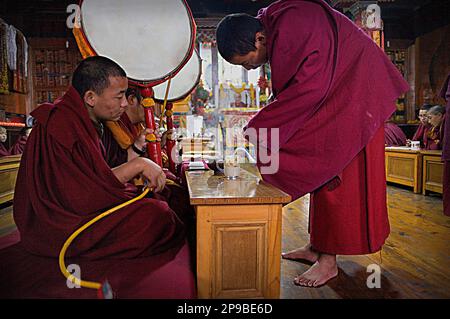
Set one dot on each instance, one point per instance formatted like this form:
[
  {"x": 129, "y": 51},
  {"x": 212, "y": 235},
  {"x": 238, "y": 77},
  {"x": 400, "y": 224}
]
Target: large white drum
[
  {"x": 151, "y": 39},
  {"x": 182, "y": 84}
]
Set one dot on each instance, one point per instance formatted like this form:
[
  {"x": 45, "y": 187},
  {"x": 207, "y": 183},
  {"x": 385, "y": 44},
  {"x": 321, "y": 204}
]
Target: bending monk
[
  {"x": 64, "y": 180},
  {"x": 334, "y": 88}
]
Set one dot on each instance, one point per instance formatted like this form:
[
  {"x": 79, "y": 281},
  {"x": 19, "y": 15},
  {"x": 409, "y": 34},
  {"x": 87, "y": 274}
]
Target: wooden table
[
  {"x": 433, "y": 171},
  {"x": 9, "y": 167},
  {"x": 404, "y": 166},
  {"x": 238, "y": 235}
]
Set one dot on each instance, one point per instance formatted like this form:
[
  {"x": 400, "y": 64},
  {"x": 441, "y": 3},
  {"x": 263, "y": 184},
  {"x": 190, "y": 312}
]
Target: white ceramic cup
[{"x": 415, "y": 145}]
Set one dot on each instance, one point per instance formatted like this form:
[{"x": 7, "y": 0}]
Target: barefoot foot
[
  {"x": 320, "y": 273},
  {"x": 306, "y": 253}
]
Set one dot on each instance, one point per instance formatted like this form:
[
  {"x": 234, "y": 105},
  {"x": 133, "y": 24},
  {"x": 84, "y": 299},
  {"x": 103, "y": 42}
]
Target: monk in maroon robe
[
  {"x": 393, "y": 135},
  {"x": 445, "y": 94},
  {"x": 434, "y": 139},
  {"x": 64, "y": 180},
  {"x": 18, "y": 146},
  {"x": 4, "y": 151},
  {"x": 424, "y": 125},
  {"x": 334, "y": 88},
  {"x": 124, "y": 141}
]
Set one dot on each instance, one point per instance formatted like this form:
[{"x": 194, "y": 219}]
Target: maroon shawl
[
  {"x": 393, "y": 135},
  {"x": 334, "y": 88},
  {"x": 64, "y": 181}
]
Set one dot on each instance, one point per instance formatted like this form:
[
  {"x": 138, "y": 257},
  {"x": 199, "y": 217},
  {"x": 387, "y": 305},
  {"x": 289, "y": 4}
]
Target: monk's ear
[
  {"x": 130, "y": 99},
  {"x": 260, "y": 38},
  {"x": 90, "y": 98}
]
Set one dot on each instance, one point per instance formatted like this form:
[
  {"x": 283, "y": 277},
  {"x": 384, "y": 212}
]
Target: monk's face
[
  {"x": 111, "y": 103},
  {"x": 3, "y": 136},
  {"x": 435, "y": 119},
  {"x": 253, "y": 59},
  {"x": 423, "y": 117},
  {"x": 134, "y": 110}
]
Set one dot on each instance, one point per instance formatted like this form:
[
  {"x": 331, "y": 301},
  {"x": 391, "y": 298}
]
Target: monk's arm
[{"x": 131, "y": 154}]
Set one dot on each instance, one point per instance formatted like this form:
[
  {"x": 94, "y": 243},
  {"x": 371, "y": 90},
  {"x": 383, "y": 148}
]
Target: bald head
[
  {"x": 437, "y": 109},
  {"x": 436, "y": 115}
]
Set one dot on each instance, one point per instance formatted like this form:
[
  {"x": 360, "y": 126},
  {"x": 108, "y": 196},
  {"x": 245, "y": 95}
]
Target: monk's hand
[
  {"x": 140, "y": 141},
  {"x": 167, "y": 134},
  {"x": 154, "y": 174}
]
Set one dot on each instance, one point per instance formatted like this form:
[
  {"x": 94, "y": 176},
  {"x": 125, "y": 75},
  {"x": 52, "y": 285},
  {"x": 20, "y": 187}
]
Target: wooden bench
[
  {"x": 433, "y": 171},
  {"x": 404, "y": 167},
  {"x": 9, "y": 167}
]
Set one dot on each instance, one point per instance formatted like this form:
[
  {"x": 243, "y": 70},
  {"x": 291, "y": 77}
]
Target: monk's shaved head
[
  {"x": 437, "y": 109},
  {"x": 236, "y": 35},
  {"x": 93, "y": 73}
]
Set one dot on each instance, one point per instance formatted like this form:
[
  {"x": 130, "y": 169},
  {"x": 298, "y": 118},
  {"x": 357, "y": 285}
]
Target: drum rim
[
  {"x": 183, "y": 96},
  {"x": 164, "y": 78}
]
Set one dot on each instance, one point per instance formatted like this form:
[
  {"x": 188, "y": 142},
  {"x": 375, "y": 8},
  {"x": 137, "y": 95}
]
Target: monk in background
[
  {"x": 445, "y": 94},
  {"x": 393, "y": 135},
  {"x": 333, "y": 90},
  {"x": 19, "y": 145},
  {"x": 424, "y": 125},
  {"x": 434, "y": 139}
]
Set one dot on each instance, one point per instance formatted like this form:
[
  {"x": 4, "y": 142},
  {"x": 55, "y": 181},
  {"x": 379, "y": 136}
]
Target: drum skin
[
  {"x": 151, "y": 40},
  {"x": 182, "y": 84}
]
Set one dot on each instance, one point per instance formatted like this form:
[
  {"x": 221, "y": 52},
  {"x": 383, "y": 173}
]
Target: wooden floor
[{"x": 415, "y": 262}]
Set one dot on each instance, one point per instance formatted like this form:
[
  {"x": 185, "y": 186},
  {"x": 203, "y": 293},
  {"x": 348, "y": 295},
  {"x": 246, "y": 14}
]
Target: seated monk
[
  {"x": 434, "y": 139},
  {"x": 18, "y": 147},
  {"x": 424, "y": 125},
  {"x": 393, "y": 135},
  {"x": 64, "y": 181},
  {"x": 124, "y": 140}
]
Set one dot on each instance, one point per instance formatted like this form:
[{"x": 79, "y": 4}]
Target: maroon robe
[
  {"x": 19, "y": 145},
  {"x": 421, "y": 133},
  {"x": 64, "y": 181},
  {"x": 393, "y": 135},
  {"x": 445, "y": 93},
  {"x": 3, "y": 150},
  {"x": 115, "y": 155},
  {"x": 434, "y": 138},
  {"x": 342, "y": 220},
  {"x": 334, "y": 89}
]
